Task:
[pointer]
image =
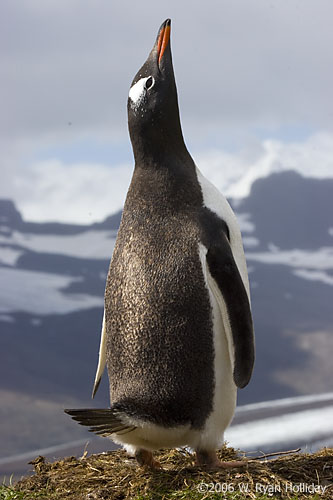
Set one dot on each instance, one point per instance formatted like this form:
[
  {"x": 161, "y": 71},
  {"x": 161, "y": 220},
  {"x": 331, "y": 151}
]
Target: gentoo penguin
[{"x": 177, "y": 334}]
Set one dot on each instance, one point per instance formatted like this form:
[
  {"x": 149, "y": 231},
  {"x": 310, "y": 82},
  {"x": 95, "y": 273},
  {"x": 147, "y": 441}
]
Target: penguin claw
[
  {"x": 154, "y": 465},
  {"x": 145, "y": 459},
  {"x": 209, "y": 460},
  {"x": 230, "y": 464}
]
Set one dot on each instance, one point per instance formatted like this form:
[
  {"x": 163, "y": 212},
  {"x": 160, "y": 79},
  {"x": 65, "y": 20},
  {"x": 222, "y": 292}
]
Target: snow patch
[
  {"x": 300, "y": 426},
  {"x": 88, "y": 245},
  {"x": 250, "y": 241},
  {"x": 286, "y": 402},
  {"x": 304, "y": 259},
  {"x": 36, "y": 321},
  {"x": 7, "y": 318},
  {"x": 273, "y": 248},
  {"x": 41, "y": 293},
  {"x": 9, "y": 256},
  {"x": 246, "y": 226},
  {"x": 314, "y": 276}
]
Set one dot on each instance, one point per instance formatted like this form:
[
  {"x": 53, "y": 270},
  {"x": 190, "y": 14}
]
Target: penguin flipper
[
  {"x": 233, "y": 300},
  {"x": 103, "y": 422},
  {"x": 101, "y": 359}
]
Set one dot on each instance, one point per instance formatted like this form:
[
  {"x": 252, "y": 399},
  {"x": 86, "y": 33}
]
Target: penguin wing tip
[
  {"x": 95, "y": 388},
  {"x": 242, "y": 384},
  {"x": 242, "y": 378}
]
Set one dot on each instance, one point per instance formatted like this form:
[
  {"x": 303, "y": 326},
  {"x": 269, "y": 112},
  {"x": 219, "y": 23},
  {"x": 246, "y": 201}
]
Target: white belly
[{"x": 225, "y": 390}]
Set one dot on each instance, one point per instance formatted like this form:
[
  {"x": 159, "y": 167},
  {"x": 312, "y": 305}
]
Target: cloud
[
  {"x": 238, "y": 64},
  {"x": 247, "y": 72},
  {"x": 234, "y": 173},
  {"x": 89, "y": 192},
  {"x": 82, "y": 193}
]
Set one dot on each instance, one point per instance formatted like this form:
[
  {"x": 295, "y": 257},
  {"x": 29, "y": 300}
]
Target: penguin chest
[
  {"x": 160, "y": 348},
  {"x": 198, "y": 421}
]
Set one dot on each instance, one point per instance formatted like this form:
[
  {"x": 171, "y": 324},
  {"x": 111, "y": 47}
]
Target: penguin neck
[
  {"x": 164, "y": 173},
  {"x": 159, "y": 138},
  {"x": 156, "y": 145}
]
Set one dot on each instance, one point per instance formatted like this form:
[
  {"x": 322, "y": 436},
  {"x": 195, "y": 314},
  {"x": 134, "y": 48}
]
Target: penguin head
[{"x": 153, "y": 113}]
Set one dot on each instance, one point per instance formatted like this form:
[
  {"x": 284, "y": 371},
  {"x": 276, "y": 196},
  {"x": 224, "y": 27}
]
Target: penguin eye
[{"x": 149, "y": 82}]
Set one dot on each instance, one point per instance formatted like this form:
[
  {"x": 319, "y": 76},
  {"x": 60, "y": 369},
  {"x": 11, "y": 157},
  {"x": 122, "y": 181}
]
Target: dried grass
[{"x": 114, "y": 475}]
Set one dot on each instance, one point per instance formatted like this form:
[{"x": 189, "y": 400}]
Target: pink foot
[
  {"x": 145, "y": 459},
  {"x": 208, "y": 459}
]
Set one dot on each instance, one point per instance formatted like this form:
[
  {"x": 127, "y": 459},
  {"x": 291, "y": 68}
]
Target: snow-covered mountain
[{"x": 52, "y": 279}]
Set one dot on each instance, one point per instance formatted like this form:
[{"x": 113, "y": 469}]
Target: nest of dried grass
[{"x": 114, "y": 475}]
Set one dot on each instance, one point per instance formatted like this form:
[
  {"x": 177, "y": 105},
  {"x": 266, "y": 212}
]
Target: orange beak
[{"x": 163, "y": 41}]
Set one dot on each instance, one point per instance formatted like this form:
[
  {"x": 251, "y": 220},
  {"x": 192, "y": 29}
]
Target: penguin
[{"x": 177, "y": 334}]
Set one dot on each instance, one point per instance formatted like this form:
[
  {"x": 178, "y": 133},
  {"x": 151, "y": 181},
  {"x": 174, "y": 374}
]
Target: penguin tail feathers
[{"x": 103, "y": 422}]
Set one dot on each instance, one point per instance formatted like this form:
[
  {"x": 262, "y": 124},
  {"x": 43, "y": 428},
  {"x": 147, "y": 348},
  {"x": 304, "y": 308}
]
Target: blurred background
[{"x": 255, "y": 86}]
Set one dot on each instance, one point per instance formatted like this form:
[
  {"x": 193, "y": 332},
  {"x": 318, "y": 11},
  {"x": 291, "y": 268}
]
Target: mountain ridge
[{"x": 10, "y": 214}]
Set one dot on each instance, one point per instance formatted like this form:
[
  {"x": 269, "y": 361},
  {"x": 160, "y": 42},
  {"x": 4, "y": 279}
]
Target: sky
[{"x": 254, "y": 80}]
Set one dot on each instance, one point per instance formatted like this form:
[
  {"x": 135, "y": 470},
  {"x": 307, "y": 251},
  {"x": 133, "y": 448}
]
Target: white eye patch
[{"x": 138, "y": 91}]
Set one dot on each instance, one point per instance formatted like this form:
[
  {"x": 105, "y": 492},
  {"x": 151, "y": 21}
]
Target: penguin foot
[
  {"x": 209, "y": 460},
  {"x": 145, "y": 459}
]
